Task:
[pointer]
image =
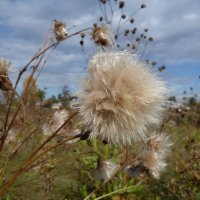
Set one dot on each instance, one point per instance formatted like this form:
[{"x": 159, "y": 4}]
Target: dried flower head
[
  {"x": 132, "y": 20},
  {"x": 159, "y": 143},
  {"x": 82, "y": 34},
  {"x": 102, "y": 35},
  {"x": 143, "y": 6},
  {"x": 153, "y": 162},
  {"x": 5, "y": 67},
  {"x": 105, "y": 169},
  {"x": 161, "y": 68},
  {"x": 58, "y": 118},
  {"x": 11, "y": 136},
  {"x": 121, "y": 4},
  {"x": 121, "y": 98},
  {"x": 133, "y": 31},
  {"x": 123, "y": 16},
  {"x": 60, "y": 30},
  {"x": 103, "y": 1},
  {"x": 151, "y": 39},
  {"x": 135, "y": 170}
]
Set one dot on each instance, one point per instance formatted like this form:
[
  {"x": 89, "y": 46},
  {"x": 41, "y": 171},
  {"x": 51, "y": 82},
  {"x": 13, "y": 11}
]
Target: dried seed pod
[
  {"x": 154, "y": 63},
  {"x": 5, "y": 68},
  {"x": 103, "y": 1},
  {"x": 133, "y": 31},
  {"x": 81, "y": 42},
  {"x": 135, "y": 171},
  {"x": 127, "y": 31},
  {"x": 82, "y": 34},
  {"x": 123, "y": 16},
  {"x": 137, "y": 39},
  {"x": 133, "y": 46},
  {"x": 5, "y": 83},
  {"x": 85, "y": 135},
  {"x": 102, "y": 35},
  {"x": 150, "y": 39},
  {"x": 60, "y": 31},
  {"x": 121, "y": 4},
  {"x": 146, "y": 30},
  {"x": 132, "y": 20},
  {"x": 162, "y": 68},
  {"x": 100, "y": 19},
  {"x": 143, "y": 6}
]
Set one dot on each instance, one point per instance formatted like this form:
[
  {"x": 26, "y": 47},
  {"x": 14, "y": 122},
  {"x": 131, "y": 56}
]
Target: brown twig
[{"x": 31, "y": 158}]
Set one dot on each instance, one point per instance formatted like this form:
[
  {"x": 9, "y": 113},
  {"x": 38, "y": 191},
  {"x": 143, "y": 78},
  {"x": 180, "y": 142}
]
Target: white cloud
[{"x": 173, "y": 24}]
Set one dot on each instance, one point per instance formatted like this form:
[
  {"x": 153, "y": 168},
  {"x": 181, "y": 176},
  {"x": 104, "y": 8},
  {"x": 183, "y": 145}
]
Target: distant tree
[
  {"x": 41, "y": 95},
  {"x": 172, "y": 98},
  {"x": 192, "y": 101},
  {"x": 65, "y": 96}
]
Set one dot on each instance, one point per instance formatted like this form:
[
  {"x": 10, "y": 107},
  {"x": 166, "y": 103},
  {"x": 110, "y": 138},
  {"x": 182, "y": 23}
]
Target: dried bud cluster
[
  {"x": 60, "y": 31},
  {"x": 5, "y": 83},
  {"x": 102, "y": 35}
]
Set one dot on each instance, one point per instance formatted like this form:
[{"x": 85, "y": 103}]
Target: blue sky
[{"x": 173, "y": 24}]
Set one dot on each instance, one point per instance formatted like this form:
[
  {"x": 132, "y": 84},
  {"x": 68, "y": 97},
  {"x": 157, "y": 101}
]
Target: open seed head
[
  {"x": 159, "y": 143},
  {"x": 60, "y": 30},
  {"x": 102, "y": 35},
  {"x": 105, "y": 170},
  {"x": 154, "y": 163},
  {"x": 58, "y": 118},
  {"x": 121, "y": 98}
]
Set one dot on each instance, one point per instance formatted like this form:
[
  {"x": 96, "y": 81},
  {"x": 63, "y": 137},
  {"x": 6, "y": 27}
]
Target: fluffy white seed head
[
  {"x": 121, "y": 98},
  {"x": 11, "y": 136},
  {"x": 159, "y": 143},
  {"x": 154, "y": 162},
  {"x": 58, "y": 118},
  {"x": 105, "y": 170}
]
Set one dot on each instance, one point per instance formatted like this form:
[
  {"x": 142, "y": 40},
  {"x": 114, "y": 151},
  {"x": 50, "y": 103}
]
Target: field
[{"x": 121, "y": 134}]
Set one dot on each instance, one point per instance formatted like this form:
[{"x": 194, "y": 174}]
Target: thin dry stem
[{"x": 31, "y": 158}]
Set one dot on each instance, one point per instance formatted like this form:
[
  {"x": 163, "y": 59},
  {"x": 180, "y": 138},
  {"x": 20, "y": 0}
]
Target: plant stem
[
  {"x": 117, "y": 191},
  {"x": 31, "y": 158}
]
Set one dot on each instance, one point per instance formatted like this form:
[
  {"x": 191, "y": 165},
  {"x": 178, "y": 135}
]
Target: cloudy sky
[{"x": 174, "y": 24}]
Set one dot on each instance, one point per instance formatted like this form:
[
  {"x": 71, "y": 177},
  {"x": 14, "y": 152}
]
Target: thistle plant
[{"x": 120, "y": 103}]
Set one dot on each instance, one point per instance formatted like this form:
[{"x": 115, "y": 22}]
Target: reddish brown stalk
[
  {"x": 37, "y": 55},
  {"x": 54, "y": 146},
  {"x": 22, "y": 143},
  {"x": 31, "y": 158}
]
